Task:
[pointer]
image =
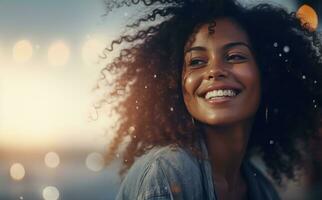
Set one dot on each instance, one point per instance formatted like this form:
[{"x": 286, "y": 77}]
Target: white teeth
[{"x": 220, "y": 93}]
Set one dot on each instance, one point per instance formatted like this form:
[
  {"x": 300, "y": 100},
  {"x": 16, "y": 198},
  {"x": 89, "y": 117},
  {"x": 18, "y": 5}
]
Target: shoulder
[
  {"x": 163, "y": 171},
  {"x": 260, "y": 185}
]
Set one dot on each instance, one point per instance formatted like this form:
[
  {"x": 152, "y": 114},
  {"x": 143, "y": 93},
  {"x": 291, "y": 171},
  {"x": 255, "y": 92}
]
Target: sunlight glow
[
  {"x": 37, "y": 108},
  {"x": 44, "y": 107}
]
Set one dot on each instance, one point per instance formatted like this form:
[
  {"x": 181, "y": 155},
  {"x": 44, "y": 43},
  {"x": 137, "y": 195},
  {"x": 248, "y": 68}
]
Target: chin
[
  {"x": 219, "y": 122},
  {"x": 221, "y": 119}
]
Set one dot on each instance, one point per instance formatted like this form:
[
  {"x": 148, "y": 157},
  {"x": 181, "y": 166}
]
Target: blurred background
[{"x": 52, "y": 140}]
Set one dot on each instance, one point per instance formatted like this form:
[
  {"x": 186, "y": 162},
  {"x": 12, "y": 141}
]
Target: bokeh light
[
  {"x": 58, "y": 54},
  {"x": 50, "y": 193},
  {"x": 91, "y": 50},
  {"x": 95, "y": 162},
  {"x": 52, "y": 160},
  {"x": 22, "y": 51},
  {"x": 17, "y": 171},
  {"x": 308, "y": 15}
]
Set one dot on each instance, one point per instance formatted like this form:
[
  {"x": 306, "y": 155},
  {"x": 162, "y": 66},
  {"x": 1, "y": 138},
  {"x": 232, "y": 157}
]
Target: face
[{"x": 220, "y": 78}]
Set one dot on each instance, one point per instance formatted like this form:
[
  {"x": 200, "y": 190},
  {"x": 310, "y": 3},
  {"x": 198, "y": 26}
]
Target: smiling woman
[{"x": 212, "y": 84}]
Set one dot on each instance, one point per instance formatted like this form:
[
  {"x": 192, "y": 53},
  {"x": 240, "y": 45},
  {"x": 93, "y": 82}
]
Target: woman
[{"x": 205, "y": 85}]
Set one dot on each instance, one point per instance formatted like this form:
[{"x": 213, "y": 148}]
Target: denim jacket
[{"x": 167, "y": 173}]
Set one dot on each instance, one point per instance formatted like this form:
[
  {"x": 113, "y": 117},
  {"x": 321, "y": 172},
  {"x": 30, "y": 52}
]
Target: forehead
[{"x": 225, "y": 30}]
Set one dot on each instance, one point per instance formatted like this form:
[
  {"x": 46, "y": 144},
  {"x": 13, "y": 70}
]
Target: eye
[
  {"x": 235, "y": 58},
  {"x": 197, "y": 62}
]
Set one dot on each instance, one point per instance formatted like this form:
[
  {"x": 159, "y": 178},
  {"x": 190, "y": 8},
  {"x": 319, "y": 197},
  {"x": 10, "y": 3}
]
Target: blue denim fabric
[{"x": 167, "y": 173}]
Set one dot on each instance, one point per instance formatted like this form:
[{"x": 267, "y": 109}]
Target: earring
[
  {"x": 193, "y": 121},
  {"x": 266, "y": 115}
]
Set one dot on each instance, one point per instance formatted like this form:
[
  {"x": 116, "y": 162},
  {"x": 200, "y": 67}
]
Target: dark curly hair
[{"x": 153, "y": 112}]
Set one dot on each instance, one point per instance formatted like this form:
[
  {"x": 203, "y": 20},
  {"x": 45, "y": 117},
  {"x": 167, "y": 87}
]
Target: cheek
[
  {"x": 190, "y": 83},
  {"x": 250, "y": 76},
  {"x": 252, "y": 80}
]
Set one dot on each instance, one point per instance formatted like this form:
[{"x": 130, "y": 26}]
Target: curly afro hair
[{"x": 153, "y": 112}]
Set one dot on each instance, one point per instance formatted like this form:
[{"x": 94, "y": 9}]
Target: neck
[{"x": 226, "y": 149}]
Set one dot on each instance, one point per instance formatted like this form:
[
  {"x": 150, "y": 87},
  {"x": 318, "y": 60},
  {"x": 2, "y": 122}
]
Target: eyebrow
[{"x": 226, "y": 46}]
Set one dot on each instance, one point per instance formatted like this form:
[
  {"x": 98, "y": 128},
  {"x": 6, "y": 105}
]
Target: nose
[{"x": 216, "y": 72}]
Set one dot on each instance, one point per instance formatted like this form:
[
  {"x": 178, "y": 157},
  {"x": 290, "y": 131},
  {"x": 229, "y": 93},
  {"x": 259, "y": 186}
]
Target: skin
[{"x": 223, "y": 59}]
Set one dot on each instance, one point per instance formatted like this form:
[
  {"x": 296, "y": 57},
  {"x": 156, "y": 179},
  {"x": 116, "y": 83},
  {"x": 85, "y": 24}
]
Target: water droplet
[
  {"x": 154, "y": 76},
  {"x": 275, "y": 44},
  {"x": 171, "y": 109},
  {"x": 315, "y": 106},
  {"x": 271, "y": 142},
  {"x": 286, "y": 49},
  {"x": 146, "y": 87},
  {"x": 136, "y": 101},
  {"x": 280, "y": 55},
  {"x": 303, "y": 77},
  {"x": 315, "y": 82},
  {"x": 313, "y": 100},
  {"x": 137, "y": 107}
]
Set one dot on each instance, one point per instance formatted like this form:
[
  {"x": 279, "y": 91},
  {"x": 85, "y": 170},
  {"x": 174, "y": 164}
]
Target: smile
[{"x": 221, "y": 93}]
